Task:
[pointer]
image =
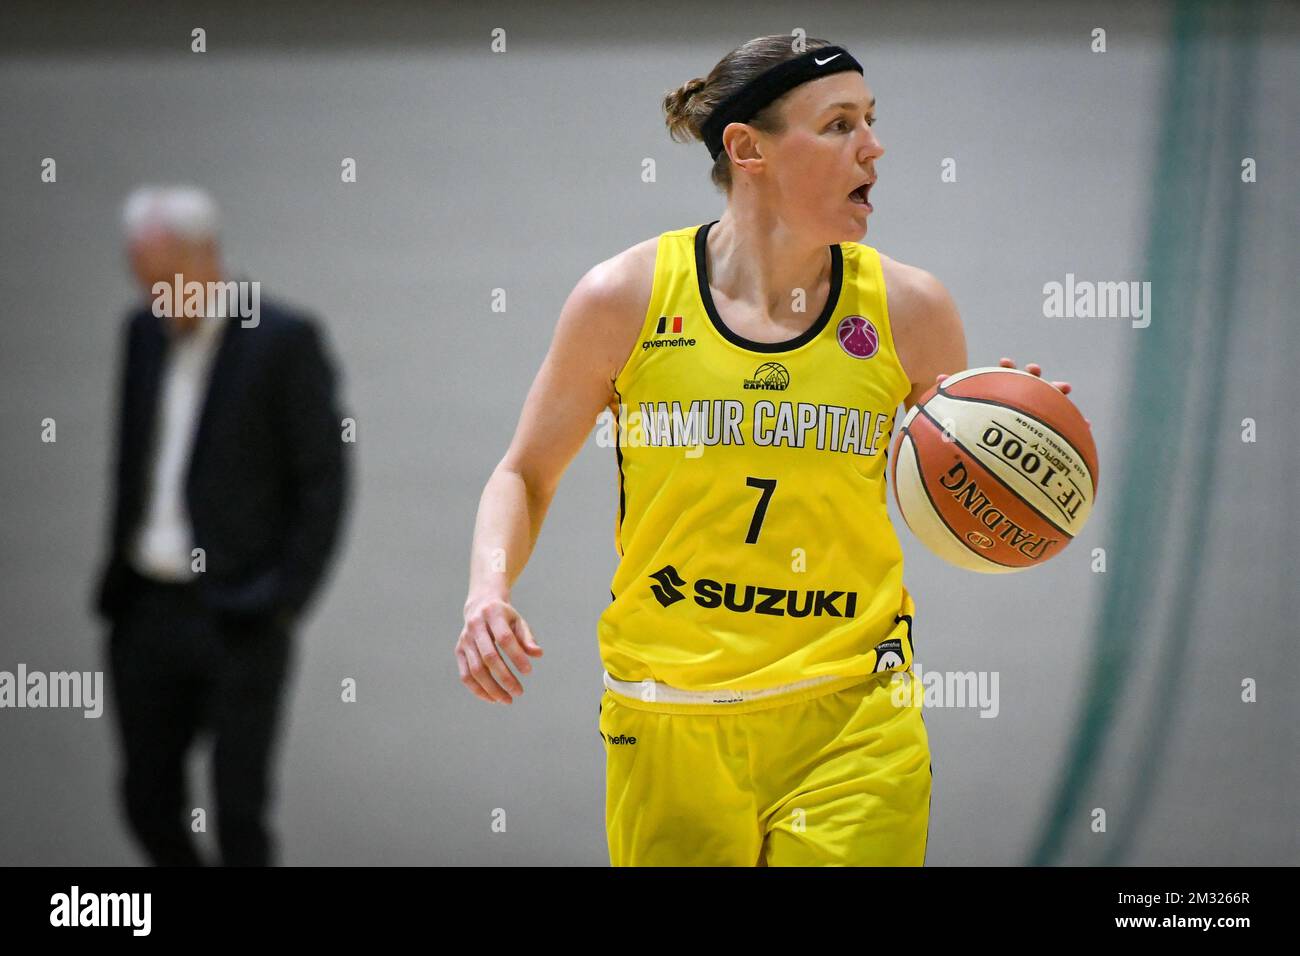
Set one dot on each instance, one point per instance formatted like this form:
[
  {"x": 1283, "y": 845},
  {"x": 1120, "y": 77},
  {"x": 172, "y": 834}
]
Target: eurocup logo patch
[{"x": 858, "y": 336}]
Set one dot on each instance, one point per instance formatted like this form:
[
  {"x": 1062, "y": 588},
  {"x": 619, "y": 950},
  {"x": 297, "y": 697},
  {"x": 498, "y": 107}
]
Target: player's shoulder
[
  {"x": 626, "y": 279},
  {"x": 626, "y": 274},
  {"x": 913, "y": 292},
  {"x": 906, "y": 278},
  {"x": 620, "y": 286}
]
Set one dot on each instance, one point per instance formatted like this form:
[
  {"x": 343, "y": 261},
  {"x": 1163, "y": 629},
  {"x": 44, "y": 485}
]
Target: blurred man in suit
[{"x": 227, "y": 501}]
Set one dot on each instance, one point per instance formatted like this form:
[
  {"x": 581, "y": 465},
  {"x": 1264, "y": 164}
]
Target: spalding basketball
[{"x": 994, "y": 470}]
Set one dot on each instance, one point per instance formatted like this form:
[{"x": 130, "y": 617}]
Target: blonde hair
[{"x": 687, "y": 107}]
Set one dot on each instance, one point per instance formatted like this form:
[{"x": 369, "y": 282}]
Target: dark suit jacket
[{"x": 267, "y": 477}]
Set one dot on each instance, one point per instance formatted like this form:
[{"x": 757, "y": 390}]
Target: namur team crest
[
  {"x": 858, "y": 336},
  {"x": 770, "y": 375}
]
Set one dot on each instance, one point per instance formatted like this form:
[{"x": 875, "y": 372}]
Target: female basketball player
[{"x": 755, "y": 365}]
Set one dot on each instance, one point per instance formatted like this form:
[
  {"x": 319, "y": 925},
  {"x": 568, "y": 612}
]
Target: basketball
[{"x": 994, "y": 470}]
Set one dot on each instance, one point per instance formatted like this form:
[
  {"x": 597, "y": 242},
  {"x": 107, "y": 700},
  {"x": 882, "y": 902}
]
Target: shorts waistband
[{"x": 652, "y": 694}]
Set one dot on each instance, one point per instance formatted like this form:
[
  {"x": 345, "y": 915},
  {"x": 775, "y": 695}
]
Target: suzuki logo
[{"x": 666, "y": 590}]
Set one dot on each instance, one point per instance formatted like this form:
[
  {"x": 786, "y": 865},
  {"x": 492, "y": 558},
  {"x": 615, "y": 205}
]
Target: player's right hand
[{"x": 492, "y": 626}]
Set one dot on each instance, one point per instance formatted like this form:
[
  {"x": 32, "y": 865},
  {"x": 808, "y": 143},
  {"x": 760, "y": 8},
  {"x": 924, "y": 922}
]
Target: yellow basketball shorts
[{"x": 833, "y": 779}]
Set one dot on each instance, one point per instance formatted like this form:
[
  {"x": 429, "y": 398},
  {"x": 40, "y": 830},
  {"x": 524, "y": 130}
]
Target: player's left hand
[{"x": 1033, "y": 368}]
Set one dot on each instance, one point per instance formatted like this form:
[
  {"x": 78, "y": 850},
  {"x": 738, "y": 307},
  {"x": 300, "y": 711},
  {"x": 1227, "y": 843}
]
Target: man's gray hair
[{"x": 185, "y": 211}]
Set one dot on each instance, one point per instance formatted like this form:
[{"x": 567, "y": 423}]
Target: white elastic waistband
[{"x": 659, "y": 692}]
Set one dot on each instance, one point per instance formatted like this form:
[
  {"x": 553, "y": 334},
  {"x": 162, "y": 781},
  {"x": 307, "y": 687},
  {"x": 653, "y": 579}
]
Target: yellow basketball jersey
[{"x": 755, "y": 546}]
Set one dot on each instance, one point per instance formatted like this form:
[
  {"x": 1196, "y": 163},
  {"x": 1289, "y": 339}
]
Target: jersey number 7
[{"x": 756, "y": 523}]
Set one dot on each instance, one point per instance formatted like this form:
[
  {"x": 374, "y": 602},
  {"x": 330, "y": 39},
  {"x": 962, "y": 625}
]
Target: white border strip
[{"x": 661, "y": 693}]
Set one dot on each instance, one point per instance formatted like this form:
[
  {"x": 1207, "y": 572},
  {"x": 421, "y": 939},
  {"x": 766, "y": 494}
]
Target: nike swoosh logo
[{"x": 825, "y": 61}]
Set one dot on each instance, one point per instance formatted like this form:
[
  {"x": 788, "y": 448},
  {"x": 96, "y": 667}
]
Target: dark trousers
[{"x": 178, "y": 673}]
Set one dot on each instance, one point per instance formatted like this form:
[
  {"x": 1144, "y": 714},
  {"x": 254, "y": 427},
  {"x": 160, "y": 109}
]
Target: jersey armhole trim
[
  {"x": 651, "y": 313},
  {"x": 888, "y": 321}
]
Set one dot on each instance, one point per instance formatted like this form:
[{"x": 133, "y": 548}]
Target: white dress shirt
[{"x": 165, "y": 539}]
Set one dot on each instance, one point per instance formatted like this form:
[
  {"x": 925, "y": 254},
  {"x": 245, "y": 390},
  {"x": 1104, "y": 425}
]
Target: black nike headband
[{"x": 745, "y": 103}]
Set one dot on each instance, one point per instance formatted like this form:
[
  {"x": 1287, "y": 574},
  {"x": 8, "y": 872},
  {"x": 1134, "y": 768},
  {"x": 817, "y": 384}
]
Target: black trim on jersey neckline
[{"x": 803, "y": 338}]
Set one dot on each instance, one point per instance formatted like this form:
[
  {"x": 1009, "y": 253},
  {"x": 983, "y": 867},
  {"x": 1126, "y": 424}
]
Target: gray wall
[{"x": 520, "y": 171}]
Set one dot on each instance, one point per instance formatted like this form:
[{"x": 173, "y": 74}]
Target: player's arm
[
  {"x": 927, "y": 327},
  {"x": 595, "y": 334}
]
